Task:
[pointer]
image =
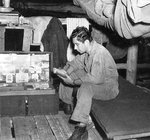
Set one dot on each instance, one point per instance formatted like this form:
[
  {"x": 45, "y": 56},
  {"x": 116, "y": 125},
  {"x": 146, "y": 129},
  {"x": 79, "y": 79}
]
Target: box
[
  {"x": 30, "y": 70},
  {"x": 24, "y": 103},
  {"x": 12, "y": 105},
  {"x": 43, "y": 102},
  {"x": 26, "y": 85}
]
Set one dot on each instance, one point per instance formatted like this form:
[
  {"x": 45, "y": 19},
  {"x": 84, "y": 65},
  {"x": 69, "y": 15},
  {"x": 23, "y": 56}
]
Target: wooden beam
[
  {"x": 132, "y": 63},
  {"x": 121, "y": 66},
  {"x": 2, "y": 38},
  {"x": 50, "y": 8},
  {"x": 55, "y": 7}
]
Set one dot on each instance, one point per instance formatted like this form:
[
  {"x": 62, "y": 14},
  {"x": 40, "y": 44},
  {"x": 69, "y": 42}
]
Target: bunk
[{"x": 126, "y": 116}]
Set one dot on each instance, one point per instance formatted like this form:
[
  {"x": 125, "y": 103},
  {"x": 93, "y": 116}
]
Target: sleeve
[
  {"x": 75, "y": 69},
  {"x": 75, "y": 64},
  {"x": 76, "y": 76},
  {"x": 97, "y": 74}
]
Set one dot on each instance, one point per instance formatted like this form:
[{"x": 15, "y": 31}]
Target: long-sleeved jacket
[{"x": 97, "y": 67}]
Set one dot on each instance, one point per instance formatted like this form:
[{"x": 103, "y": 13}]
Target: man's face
[{"x": 79, "y": 46}]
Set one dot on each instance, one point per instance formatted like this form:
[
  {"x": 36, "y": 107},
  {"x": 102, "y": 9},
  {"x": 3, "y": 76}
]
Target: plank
[
  {"x": 94, "y": 135},
  {"x": 28, "y": 92},
  {"x": 5, "y": 128},
  {"x": 6, "y": 138},
  {"x": 43, "y": 128},
  {"x": 66, "y": 119},
  {"x": 56, "y": 127},
  {"x": 65, "y": 129},
  {"x": 25, "y": 126},
  {"x": 23, "y": 137}
]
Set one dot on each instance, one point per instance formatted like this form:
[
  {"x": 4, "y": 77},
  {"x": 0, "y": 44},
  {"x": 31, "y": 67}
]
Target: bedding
[
  {"x": 129, "y": 18},
  {"x": 126, "y": 116}
]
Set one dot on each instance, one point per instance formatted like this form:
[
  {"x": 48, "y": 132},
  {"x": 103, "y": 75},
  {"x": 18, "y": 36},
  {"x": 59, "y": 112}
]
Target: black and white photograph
[{"x": 74, "y": 69}]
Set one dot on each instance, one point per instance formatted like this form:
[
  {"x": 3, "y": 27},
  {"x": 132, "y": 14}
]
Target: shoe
[
  {"x": 67, "y": 108},
  {"x": 80, "y": 133},
  {"x": 61, "y": 103}
]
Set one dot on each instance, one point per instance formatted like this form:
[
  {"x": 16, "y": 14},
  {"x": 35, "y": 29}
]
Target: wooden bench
[{"x": 125, "y": 117}]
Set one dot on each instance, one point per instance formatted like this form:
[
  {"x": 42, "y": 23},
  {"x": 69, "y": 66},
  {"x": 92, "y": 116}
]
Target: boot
[
  {"x": 80, "y": 133},
  {"x": 67, "y": 109}
]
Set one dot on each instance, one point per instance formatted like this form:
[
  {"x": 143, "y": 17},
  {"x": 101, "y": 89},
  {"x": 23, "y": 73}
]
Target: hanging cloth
[{"x": 54, "y": 40}]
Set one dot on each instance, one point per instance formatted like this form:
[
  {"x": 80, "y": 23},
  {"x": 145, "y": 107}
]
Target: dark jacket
[{"x": 54, "y": 40}]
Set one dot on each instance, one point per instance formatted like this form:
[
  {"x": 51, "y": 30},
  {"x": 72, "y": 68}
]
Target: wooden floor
[{"x": 42, "y": 127}]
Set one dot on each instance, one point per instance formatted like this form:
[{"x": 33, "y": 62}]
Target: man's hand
[
  {"x": 63, "y": 75},
  {"x": 60, "y": 72}
]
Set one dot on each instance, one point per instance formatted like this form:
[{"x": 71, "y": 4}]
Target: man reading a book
[{"x": 94, "y": 72}]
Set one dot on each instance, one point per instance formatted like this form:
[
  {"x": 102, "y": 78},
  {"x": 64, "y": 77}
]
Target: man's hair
[{"x": 82, "y": 34}]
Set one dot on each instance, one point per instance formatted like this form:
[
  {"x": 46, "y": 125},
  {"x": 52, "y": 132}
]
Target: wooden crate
[
  {"x": 44, "y": 102},
  {"x": 12, "y": 105},
  {"x": 34, "y": 102},
  {"x": 18, "y": 69}
]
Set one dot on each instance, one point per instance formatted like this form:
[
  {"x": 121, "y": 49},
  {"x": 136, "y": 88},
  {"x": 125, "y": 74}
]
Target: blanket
[{"x": 129, "y": 18}]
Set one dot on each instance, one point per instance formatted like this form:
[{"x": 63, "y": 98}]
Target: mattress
[{"x": 126, "y": 116}]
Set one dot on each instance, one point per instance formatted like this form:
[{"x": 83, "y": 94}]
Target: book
[{"x": 60, "y": 73}]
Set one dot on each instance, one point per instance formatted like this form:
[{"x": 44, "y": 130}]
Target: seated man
[{"x": 94, "y": 71}]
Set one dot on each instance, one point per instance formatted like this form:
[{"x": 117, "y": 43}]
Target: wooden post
[
  {"x": 27, "y": 39},
  {"x": 2, "y": 38},
  {"x": 132, "y": 63}
]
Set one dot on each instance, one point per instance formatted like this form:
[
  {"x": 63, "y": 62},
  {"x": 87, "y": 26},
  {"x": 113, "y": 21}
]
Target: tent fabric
[
  {"x": 129, "y": 18},
  {"x": 128, "y": 114}
]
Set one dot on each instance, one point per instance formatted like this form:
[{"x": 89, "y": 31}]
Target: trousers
[{"x": 85, "y": 94}]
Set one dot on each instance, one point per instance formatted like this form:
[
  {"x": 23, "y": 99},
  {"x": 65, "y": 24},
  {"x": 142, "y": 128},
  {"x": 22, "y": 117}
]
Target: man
[{"x": 94, "y": 71}]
